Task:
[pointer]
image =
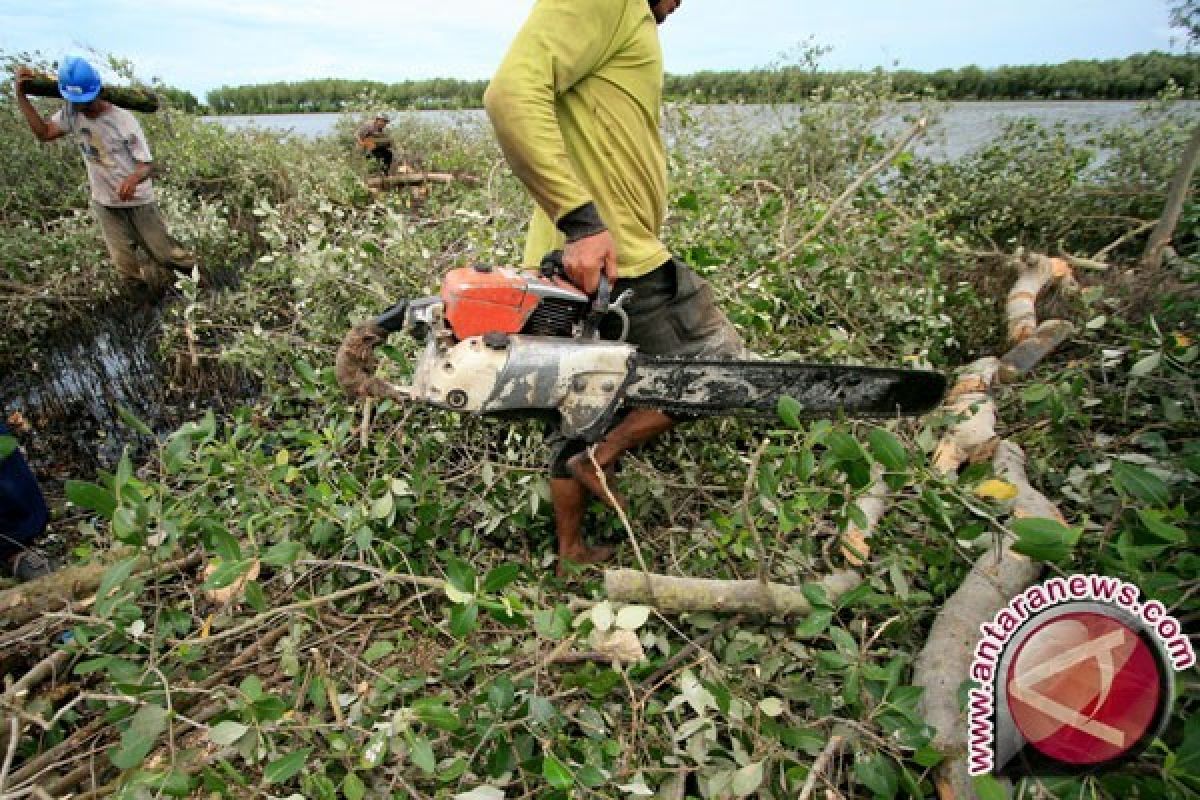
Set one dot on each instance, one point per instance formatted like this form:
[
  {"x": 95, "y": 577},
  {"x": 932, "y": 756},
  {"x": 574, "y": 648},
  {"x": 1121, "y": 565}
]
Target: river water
[{"x": 959, "y": 129}]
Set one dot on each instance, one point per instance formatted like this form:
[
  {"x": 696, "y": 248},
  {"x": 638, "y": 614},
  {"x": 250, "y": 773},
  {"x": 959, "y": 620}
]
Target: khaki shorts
[{"x": 128, "y": 230}]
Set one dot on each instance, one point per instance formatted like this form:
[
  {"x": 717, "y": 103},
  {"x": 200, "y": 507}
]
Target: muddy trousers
[{"x": 129, "y": 229}]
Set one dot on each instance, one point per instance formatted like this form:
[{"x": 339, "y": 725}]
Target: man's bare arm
[{"x": 44, "y": 130}]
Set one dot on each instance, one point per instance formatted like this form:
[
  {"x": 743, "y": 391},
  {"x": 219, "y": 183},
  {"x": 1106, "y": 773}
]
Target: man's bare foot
[
  {"x": 584, "y": 471},
  {"x": 583, "y": 555}
]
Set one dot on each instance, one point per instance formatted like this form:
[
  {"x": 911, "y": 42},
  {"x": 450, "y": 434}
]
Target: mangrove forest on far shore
[{"x": 1136, "y": 77}]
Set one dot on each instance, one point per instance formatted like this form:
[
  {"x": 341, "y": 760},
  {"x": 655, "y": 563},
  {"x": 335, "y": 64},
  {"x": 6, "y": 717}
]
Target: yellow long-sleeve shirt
[{"x": 576, "y": 105}]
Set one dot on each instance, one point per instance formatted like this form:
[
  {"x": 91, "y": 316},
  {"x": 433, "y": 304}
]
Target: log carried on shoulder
[{"x": 123, "y": 96}]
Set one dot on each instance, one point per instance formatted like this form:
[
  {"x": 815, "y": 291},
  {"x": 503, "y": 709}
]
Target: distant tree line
[
  {"x": 179, "y": 98},
  {"x": 1133, "y": 78}
]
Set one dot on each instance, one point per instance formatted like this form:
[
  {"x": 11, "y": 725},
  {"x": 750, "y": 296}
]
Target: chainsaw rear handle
[{"x": 552, "y": 267}]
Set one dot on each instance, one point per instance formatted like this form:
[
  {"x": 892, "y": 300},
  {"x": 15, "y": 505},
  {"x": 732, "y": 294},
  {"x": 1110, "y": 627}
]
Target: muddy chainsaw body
[{"x": 503, "y": 340}]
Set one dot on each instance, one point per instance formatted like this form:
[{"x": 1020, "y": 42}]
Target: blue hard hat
[{"x": 78, "y": 81}]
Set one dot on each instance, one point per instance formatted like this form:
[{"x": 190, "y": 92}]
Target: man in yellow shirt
[{"x": 576, "y": 106}]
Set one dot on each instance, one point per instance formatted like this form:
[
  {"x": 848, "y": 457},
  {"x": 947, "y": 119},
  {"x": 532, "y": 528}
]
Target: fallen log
[
  {"x": 123, "y": 96},
  {"x": 1025, "y": 355},
  {"x": 404, "y": 179},
  {"x": 31, "y": 600},
  {"x": 1000, "y": 573},
  {"x": 973, "y": 437},
  {"x": 1034, "y": 273},
  {"x": 669, "y": 594},
  {"x": 945, "y": 661}
]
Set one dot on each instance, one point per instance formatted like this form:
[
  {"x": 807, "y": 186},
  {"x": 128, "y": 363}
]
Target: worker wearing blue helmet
[{"x": 119, "y": 166}]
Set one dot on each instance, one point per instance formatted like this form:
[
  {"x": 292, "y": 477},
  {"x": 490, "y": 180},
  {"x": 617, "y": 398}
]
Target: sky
[{"x": 203, "y": 44}]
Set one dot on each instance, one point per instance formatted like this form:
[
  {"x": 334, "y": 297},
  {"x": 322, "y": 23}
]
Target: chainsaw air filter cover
[{"x": 482, "y": 299}]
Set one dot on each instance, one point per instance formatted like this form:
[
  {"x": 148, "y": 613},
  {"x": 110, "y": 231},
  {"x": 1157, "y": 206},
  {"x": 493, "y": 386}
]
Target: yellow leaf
[
  {"x": 204, "y": 629},
  {"x": 1182, "y": 340},
  {"x": 996, "y": 490}
]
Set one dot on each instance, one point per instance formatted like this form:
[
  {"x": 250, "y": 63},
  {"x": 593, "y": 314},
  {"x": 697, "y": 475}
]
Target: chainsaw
[{"x": 501, "y": 340}]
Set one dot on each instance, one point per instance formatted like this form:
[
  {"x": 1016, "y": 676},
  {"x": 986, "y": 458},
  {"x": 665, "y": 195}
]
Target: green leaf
[
  {"x": 421, "y": 753},
  {"x": 92, "y": 497},
  {"x": 845, "y": 447},
  {"x": 433, "y": 713},
  {"x": 378, "y": 650},
  {"x": 282, "y": 769},
  {"x": 282, "y": 553},
  {"x": 1146, "y": 365},
  {"x": 114, "y": 576},
  {"x": 224, "y": 544},
  {"x": 252, "y": 687},
  {"x": 125, "y": 526},
  {"x": 501, "y": 693},
  {"x": 501, "y": 576},
  {"x": 814, "y": 624},
  {"x": 1187, "y": 755},
  {"x": 552, "y": 623},
  {"x": 255, "y": 596},
  {"x": 131, "y": 419},
  {"x": 1044, "y": 539},
  {"x": 815, "y": 594},
  {"x": 747, "y": 779},
  {"x": 555, "y": 773},
  {"x": 460, "y": 575},
  {"x": 175, "y": 454},
  {"x": 226, "y": 573},
  {"x": 877, "y": 773},
  {"x": 227, "y": 732},
  {"x": 887, "y": 449},
  {"x": 789, "y": 410},
  {"x": 353, "y": 788},
  {"x": 1134, "y": 481},
  {"x": 172, "y": 783},
  {"x": 383, "y": 505},
  {"x": 463, "y": 619},
  {"x": 376, "y": 749},
  {"x": 8, "y": 445},
  {"x": 988, "y": 788},
  {"x": 1156, "y": 525},
  {"x": 139, "y": 738}
]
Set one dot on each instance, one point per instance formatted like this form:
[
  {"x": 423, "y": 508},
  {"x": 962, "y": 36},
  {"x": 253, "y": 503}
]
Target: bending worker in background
[
  {"x": 119, "y": 166},
  {"x": 371, "y": 138},
  {"x": 576, "y": 106}
]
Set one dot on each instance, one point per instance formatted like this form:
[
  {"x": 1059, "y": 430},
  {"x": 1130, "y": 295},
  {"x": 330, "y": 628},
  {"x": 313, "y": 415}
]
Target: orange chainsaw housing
[{"x": 479, "y": 300}]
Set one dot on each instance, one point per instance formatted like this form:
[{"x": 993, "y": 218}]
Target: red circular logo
[{"x": 1083, "y": 688}]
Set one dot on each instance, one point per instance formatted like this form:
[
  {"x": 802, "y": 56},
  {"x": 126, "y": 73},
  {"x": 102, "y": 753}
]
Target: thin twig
[
  {"x": 612, "y": 501},
  {"x": 835, "y": 744},
  {"x": 14, "y": 734}
]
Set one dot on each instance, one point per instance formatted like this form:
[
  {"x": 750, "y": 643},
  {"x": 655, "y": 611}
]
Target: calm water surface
[{"x": 962, "y": 128}]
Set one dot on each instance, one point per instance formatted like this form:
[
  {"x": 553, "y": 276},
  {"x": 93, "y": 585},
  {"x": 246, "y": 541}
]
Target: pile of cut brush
[{"x": 304, "y": 596}]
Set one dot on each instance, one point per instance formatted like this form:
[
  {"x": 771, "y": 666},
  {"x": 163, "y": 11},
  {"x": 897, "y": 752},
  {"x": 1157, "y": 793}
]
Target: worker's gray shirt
[{"x": 112, "y": 145}]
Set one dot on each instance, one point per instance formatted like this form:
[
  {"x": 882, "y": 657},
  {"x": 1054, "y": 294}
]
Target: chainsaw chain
[{"x": 717, "y": 409}]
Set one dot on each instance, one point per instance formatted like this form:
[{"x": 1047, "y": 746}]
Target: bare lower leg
[
  {"x": 638, "y": 427},
  {"x": 570, "y": 498}
]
